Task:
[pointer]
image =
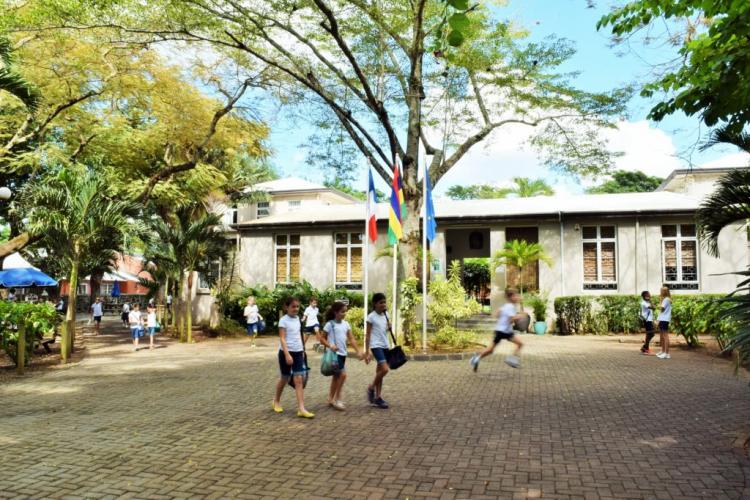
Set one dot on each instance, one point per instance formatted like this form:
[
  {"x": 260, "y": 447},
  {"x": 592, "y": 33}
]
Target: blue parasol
[
  {"x": 116, "y": 289},
  {"x": 23, "y": 277}
]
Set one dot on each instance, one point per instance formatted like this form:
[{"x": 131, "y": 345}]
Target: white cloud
[
  {"x": 645, "y": 148},
  {"x": 730, "y": 160}
]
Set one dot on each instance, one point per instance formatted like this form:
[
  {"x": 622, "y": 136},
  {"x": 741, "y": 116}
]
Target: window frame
[
  {"x": 266, "y": 205},
  {"x": 105, "y": 289},
  {"x": 81, "y": 286},
  {"x": 348, "y": 284},
  {"x": 294, "y": 205},
  {"x": 201, "y": 277},
  {"x": 288, "y": 247},
  {"x": 680, "y": 283},
  {"x": 599, "y": 283}
]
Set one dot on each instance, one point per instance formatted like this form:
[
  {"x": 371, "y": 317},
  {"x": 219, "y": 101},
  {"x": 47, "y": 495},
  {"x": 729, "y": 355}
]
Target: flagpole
[
  {"x": 366, "y": 256},
  {"x": 394, "y": 309},
  {"x": 424, "y": 259}
]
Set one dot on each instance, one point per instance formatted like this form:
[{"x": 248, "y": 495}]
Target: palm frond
[
  {"x": 726, "y": 136},
  {"x": 729, "y": 203}
]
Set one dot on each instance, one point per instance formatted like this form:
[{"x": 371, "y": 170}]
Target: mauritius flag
[{"x": 397, "y": 209}]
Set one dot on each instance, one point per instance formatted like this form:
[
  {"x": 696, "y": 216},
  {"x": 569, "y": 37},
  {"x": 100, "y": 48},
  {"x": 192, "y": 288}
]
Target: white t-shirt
[
  {"x": 126, "y": 308},
  {"x": 337, "y": 332},
  {"x": 292, "y": 333},
  {"x": 379, "y": 330},
  {"x": 666, "y": 312},
  {"x": 151, "y": 320},
  {"x": 96, "y": 307},
  {"x": 311, "y": 316},
  {"x": 169, "y": 298},
  {"x": 134, "y": 318},
  {"x": 646, "y": 312},
  {"x": 251, "y": 313},
  {"x": 505, "y": 321}
]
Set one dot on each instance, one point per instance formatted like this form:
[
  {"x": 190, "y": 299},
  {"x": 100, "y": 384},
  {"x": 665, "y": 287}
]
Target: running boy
[
  {"x": 376, "y": 346},
  {"x": 310, "y": 318},
  {"x": 665, "y": 316},
  {"x": 504, "y": 330},
  {"x": 253, "y": 317},
  {"x": 291, "y": 357},
  {"x": 337, "y": 332},
  {"x": 134, "y": 319},
  {"x": 647, "y": 315}
]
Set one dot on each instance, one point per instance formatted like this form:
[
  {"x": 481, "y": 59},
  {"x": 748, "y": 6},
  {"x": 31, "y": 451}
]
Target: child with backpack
[
  {"x": 504, "y": 330},
  {"x": 310, "y": 318},
  {"x": 337, "y": 332},
  {"x": 376, "y": 346},
  {"x": 291, "y": 358},
  {"x": 647, "y": 315}
]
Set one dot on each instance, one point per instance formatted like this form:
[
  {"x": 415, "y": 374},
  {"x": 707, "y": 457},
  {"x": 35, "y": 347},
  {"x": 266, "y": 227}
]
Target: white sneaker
[
  {"x": 513, "y": 361},
  {"x": 475, "y": 362},
  {"x": 666, "y": 356},
  {"x": 661, "y": 354}
]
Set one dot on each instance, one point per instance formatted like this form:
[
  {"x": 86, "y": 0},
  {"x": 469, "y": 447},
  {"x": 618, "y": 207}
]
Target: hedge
[
  {"x": 37, "y": 319},
  {"x": 270, "y": 301},
  {"x": 692, "y": 315}
]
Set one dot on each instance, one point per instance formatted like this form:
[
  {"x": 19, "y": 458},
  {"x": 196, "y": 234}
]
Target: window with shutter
[
  {"x": 348, "y": 251},
  {"x": 287, "y": 267},
  {"x": 680, "y": 256},
  {"x": 599, "y": 257}
]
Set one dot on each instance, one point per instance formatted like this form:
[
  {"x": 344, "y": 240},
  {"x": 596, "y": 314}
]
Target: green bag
[
  {"x": 330, "y": 364},
  {"x": 157, "y": 328}
]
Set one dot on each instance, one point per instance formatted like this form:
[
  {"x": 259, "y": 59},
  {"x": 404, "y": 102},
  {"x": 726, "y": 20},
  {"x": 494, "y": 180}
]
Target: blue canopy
[
  {"x": 116, "y": 289},
  {"x": 23, "y": 277}
]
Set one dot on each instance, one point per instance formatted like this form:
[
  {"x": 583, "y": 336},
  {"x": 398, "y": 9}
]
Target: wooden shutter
[
  {"x": 609, "y": 271},
  {"x": 341, "y": 276},
  {"x": 281, "y": 266},
  {"x": 356, "y": 265},
  {"x": 590, "y": 273}
]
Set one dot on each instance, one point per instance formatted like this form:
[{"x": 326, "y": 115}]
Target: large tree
[
  {"x": 523, "y": 187},
  {"x": 710, "y": 78},
  {"x": 477, "y": 192},
  {"x": 626, "y": 181},
  {"x": 398, "y": 77}
]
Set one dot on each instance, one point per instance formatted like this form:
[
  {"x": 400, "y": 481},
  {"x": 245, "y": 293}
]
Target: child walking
[
  {"x": 665, "y": 316},
  {"x": 134, "y": 320},
  {"x": 647, "y": 315},
  {"x": 337, "y": 332},
  {"x": 151, "y": 324},
  {"x": 504, "y": 330},
  {"x": 125, "y": 314},
  {"x": 291, "y": 357},
  {"x": 253, "y": 318},
  {"x": 376, "y": 346},
  {"x": 310, "y": 318}
]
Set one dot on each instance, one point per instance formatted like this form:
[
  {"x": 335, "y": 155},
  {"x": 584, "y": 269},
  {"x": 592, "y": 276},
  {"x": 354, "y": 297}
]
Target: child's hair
[
  {"x": 377, "y": 297},
  {"x": 136, "y": 306},
  {"x": 665, "y": 292},
  {"x": 251, "y": 297},
  {"x": 335, "y": 307},
  {"x": 313, "y": 299},
  {"x": 643, "y": 294},
  {"x": 289, "y": 301},
  {"x": 510, "y": 292}
]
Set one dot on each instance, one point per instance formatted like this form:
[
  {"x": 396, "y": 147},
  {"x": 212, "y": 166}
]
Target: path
[{"x": 583, "y": 417}]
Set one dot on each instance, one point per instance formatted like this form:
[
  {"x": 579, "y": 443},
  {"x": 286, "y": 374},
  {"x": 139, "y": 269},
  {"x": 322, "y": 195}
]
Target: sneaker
[
  {"x": 252, "y": 344},
  {"x": 305, "y": 414},
  {"x": 371, "y": 394},
  {"x": 661, "y": 355},
  {"x": 646, "y": 352},
  {"x": 277, "y": 408},
  {"x": 380, "y": 403},
  {"x": 475, "y": 362},
  {"x": 338, "y": 405},
  {"x": 666, "y": 356},
  {"x": 513, "y": 361}
]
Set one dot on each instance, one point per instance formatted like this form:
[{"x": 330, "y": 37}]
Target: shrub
[
  {"x": 448, "y": 301},
  {"x": 409, "y": 298},
  {"x": 477, "y": 276},
  {"x": 538, "y": 303},
  {"x": 356, "y": 318},
  {"x": 450, "y": 337},
  {"x": 38, "y": 320},
  {"x": 227, "y": 327},
  {"x": 694, "y": 315},
  {"x": 619, "y": 313},
  {"x": 574, "y": 314}
]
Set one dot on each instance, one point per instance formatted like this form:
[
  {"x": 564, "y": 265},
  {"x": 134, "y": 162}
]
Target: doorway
[{"x": 529, "y": 280}]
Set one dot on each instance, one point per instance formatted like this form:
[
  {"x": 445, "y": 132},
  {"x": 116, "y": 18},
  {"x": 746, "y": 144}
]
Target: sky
[{"x": 655, "y": 148}]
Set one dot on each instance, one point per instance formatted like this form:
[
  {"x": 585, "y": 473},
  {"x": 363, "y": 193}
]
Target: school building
[{"x": 599, "y": 243}]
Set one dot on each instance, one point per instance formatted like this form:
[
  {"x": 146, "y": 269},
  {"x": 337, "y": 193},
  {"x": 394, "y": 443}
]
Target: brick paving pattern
[{"x": 584, "y": 417}]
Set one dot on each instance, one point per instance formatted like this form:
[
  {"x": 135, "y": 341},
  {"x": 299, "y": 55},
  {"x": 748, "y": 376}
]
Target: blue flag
[{"x": 430, "y": 210}]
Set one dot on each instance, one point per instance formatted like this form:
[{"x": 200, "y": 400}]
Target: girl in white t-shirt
[
  {"x": 291, "y": 357},
  {"x": 151, "y": 324},
  {"x": 376, "y": 346},
  {"x": 665, "y": 316},
  {"x": 134, "y": 320},
  {"x": 253, "y": 319},
  {"x": 337, "y": 332}
]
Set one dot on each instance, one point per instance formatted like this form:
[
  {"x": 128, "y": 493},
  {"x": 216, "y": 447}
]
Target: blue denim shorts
[
  {"x": 252, "y": 328},
  {"x": 664, "y": 326},
  {"x": 136, "y": 331},
  {"x": 296, "y": 368},
  {"x": 152, "y": 330},
  {"x": 379, "y": 354}
]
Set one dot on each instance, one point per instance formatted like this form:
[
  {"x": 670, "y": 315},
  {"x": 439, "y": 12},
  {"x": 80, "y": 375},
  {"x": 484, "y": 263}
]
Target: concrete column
[
  {"x": 437, "y": 249},
  {"x": 497, "y": 241}
]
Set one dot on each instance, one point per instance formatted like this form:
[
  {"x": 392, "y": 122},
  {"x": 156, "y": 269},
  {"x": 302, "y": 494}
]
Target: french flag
[{"x": 372, "y": 203}]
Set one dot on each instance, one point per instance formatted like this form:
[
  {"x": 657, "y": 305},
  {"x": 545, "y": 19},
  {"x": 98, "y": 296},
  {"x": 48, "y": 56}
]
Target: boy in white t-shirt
[
  {"x": 504, "y": 330},
  {"x": 647, "y": 315},
  {"x": 253, "y": 318},
  {"x": 376, "y": 346},
  {"x": 310, "y": 319}
]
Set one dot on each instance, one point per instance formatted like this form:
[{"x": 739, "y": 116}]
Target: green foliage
[
  {"x": 729, "y": 203},
  {"x": 625, "y": 181},
  {"x": 355, "y": 316},
  {"x": 526, "y": 188},
  {"x": 477, "y": 192},
  {"x": 700, "y": 315},
  {"x": 227, "y": 327},
  {"x": 450, "y": 337},
  {"x": 520, "y": 253},
  {"x": 448, "y": 301},
  {"x": 735, "y": 311},
  {"x": 39, "y": 320},
  {"x": 710, "y": 77},
  {"x": 574, "y": 314},
  {"x": 619, "y": 313},
  {"x": 476, "y": 275},
  {"x": 12, "y": 82},
  {"x": 538, "y": 303},
  {"x": 270, "y": 301},
  {"x": 409, "y": 297}
]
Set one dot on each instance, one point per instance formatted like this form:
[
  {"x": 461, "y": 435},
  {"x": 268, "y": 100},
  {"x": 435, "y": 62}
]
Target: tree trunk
[
  {"x": 189, "y": 308},
  {"x": 95, "y": 283},
  {"x": 21, "y": 352},
  {"x": 69, "y": 329},
  {"x": 15, "y": 244}
]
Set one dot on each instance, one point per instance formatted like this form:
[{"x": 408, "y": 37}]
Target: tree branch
[
  {"x": 81, "y": 146},
  {"x": 479, "y": 98},
  {"x": 15, "y": 244}
]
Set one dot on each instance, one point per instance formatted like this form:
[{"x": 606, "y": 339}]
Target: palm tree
[
  {"x": 12, "y": 82},
  {"x": 80, "y": 224},
  {"x": 526, "y": 188},
  {"x": 191, "y": 241},
  {"x": 728, "y": 204},
  {"x": 520, "y": 253}
]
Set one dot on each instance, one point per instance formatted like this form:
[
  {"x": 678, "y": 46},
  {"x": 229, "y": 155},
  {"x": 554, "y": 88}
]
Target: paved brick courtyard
[{"x": 584, "y": 417}]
